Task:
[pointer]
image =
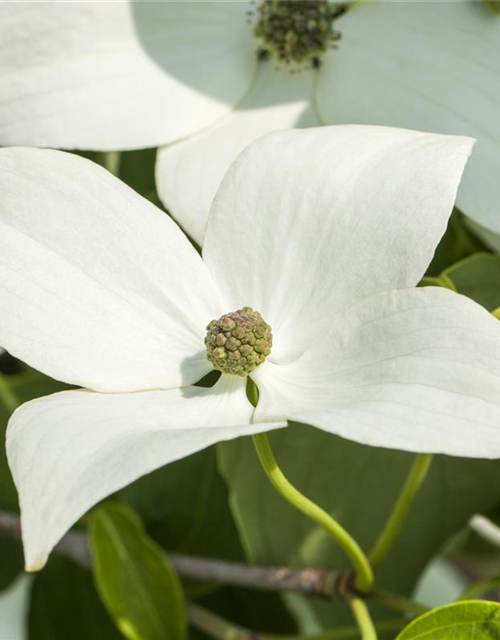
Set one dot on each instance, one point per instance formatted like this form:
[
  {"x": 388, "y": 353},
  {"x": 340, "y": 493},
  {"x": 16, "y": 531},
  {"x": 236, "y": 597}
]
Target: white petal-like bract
[
  {"x": 415, "y": 369},
  {"x": 432, "y": 66},
  {"x": 98, "y": 287},
  {"x": 308, "y": 222},
  {"x": 69, "y": 450},
  {"x": 119, "y": 75},
  {"x": 188, "y": 173}
]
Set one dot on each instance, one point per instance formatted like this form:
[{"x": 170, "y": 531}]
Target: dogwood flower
[
  {"x": 313, "y": 236},
  {"x": 206, "y": 74}
]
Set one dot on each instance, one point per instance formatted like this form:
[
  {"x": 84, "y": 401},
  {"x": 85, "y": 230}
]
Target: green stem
[
  {"x": 396, "y": 602},
  {"x": 364, "y": 573},
  {"x": 417, "y": 475},
  {"x": 363, "y": 619},
  {"x": 7, "y": 396},
  {"x": 111, "y": 161},
  {"x": 216, "y": 627}
]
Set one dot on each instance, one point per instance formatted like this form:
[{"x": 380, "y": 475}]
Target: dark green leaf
[
  {"x": 249, "y": 608},
  {"x": 494, "y": 5},
  {"x": 11, "y": 560},
  {"x": 477, "y": 277},
  {"x": 65, "y": 605},
  {"x": 472, "y": 620},
  {"x": 134, "y": 578},
  {"x": 457, "y": 243},
  {"x": 185, "y": 506}
]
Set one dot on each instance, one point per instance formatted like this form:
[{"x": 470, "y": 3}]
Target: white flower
[
  {"x": 121, "y": 76},
  {"x": 319, "y": 230}
]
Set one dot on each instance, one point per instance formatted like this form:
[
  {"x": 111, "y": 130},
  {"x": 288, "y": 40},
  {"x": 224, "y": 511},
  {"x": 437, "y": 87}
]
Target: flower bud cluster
[
  {"x": 296, "y": 31},
  {"x": 238, "y": 342}
]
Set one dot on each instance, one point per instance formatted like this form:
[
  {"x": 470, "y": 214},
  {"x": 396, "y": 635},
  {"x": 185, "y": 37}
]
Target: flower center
[
  {"x": 296, "y": 32},
  {"x": 238, "y": 342}
]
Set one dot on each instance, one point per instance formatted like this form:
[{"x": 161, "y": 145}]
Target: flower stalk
[
  {"x": 7, "y": 396},
  {"x": 416, "y": 477},
  {"x": 363, "y": 619},
  {"x": 111, "y": 160},
  {"x": 361, "y": 565}
]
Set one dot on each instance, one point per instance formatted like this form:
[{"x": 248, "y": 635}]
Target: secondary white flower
[
  {"x": 316, "y": 230},
  {"x": 121, "y": 76},
  {"x": 14, "y": 604}
]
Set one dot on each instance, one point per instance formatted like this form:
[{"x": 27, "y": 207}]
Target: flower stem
[
  {"x": 417, "y": 475},
  {"x": 362, "y": 615},
  {"x": 364, "y": 573},
  {"x": 7, "y": 396},
  {"x": 111, "y": 161}
]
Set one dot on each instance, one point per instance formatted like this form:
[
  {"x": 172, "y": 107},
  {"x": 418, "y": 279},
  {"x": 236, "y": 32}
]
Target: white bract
[
  {"x": 319, "y": 230},
  {"x": 101, "y": 75}
]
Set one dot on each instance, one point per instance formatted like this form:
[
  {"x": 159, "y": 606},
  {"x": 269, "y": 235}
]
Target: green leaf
[
  {"x": 134, "y": 578},
  {"x": 11, "y": 560},
  {"x": 477, "y": 277},
  {"x": 474, "y": 620},
  {"x": 457, "y": 243},
  {"x": 358, "y": 485},
  {"x": 65, "y": 605},
  {"x": 249, "y": 608},
  {"x": 494, "y": 5},
  {"x": 437, "y": 281},
  {"x": 185, "y": 507}
]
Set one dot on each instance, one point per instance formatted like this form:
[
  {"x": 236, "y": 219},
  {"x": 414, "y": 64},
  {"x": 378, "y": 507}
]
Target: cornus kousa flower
[
  {"x": 313, "y": 237},
  {"x": 213, "y": 76}
]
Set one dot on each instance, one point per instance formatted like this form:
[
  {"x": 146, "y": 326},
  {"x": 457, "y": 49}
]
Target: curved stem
[
  {"x": 363, "y": 619},
  {"x": 364, "y": 573},
  {"x": 417, "y": 475}
]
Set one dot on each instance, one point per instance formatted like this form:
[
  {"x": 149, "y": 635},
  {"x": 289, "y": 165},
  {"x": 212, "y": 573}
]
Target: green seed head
[
  {"x": 296, "y": 32},
  {"x": 238, "y": 342}
]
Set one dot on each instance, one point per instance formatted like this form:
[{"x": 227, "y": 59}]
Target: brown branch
[{"x": 317, "y": 582}]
